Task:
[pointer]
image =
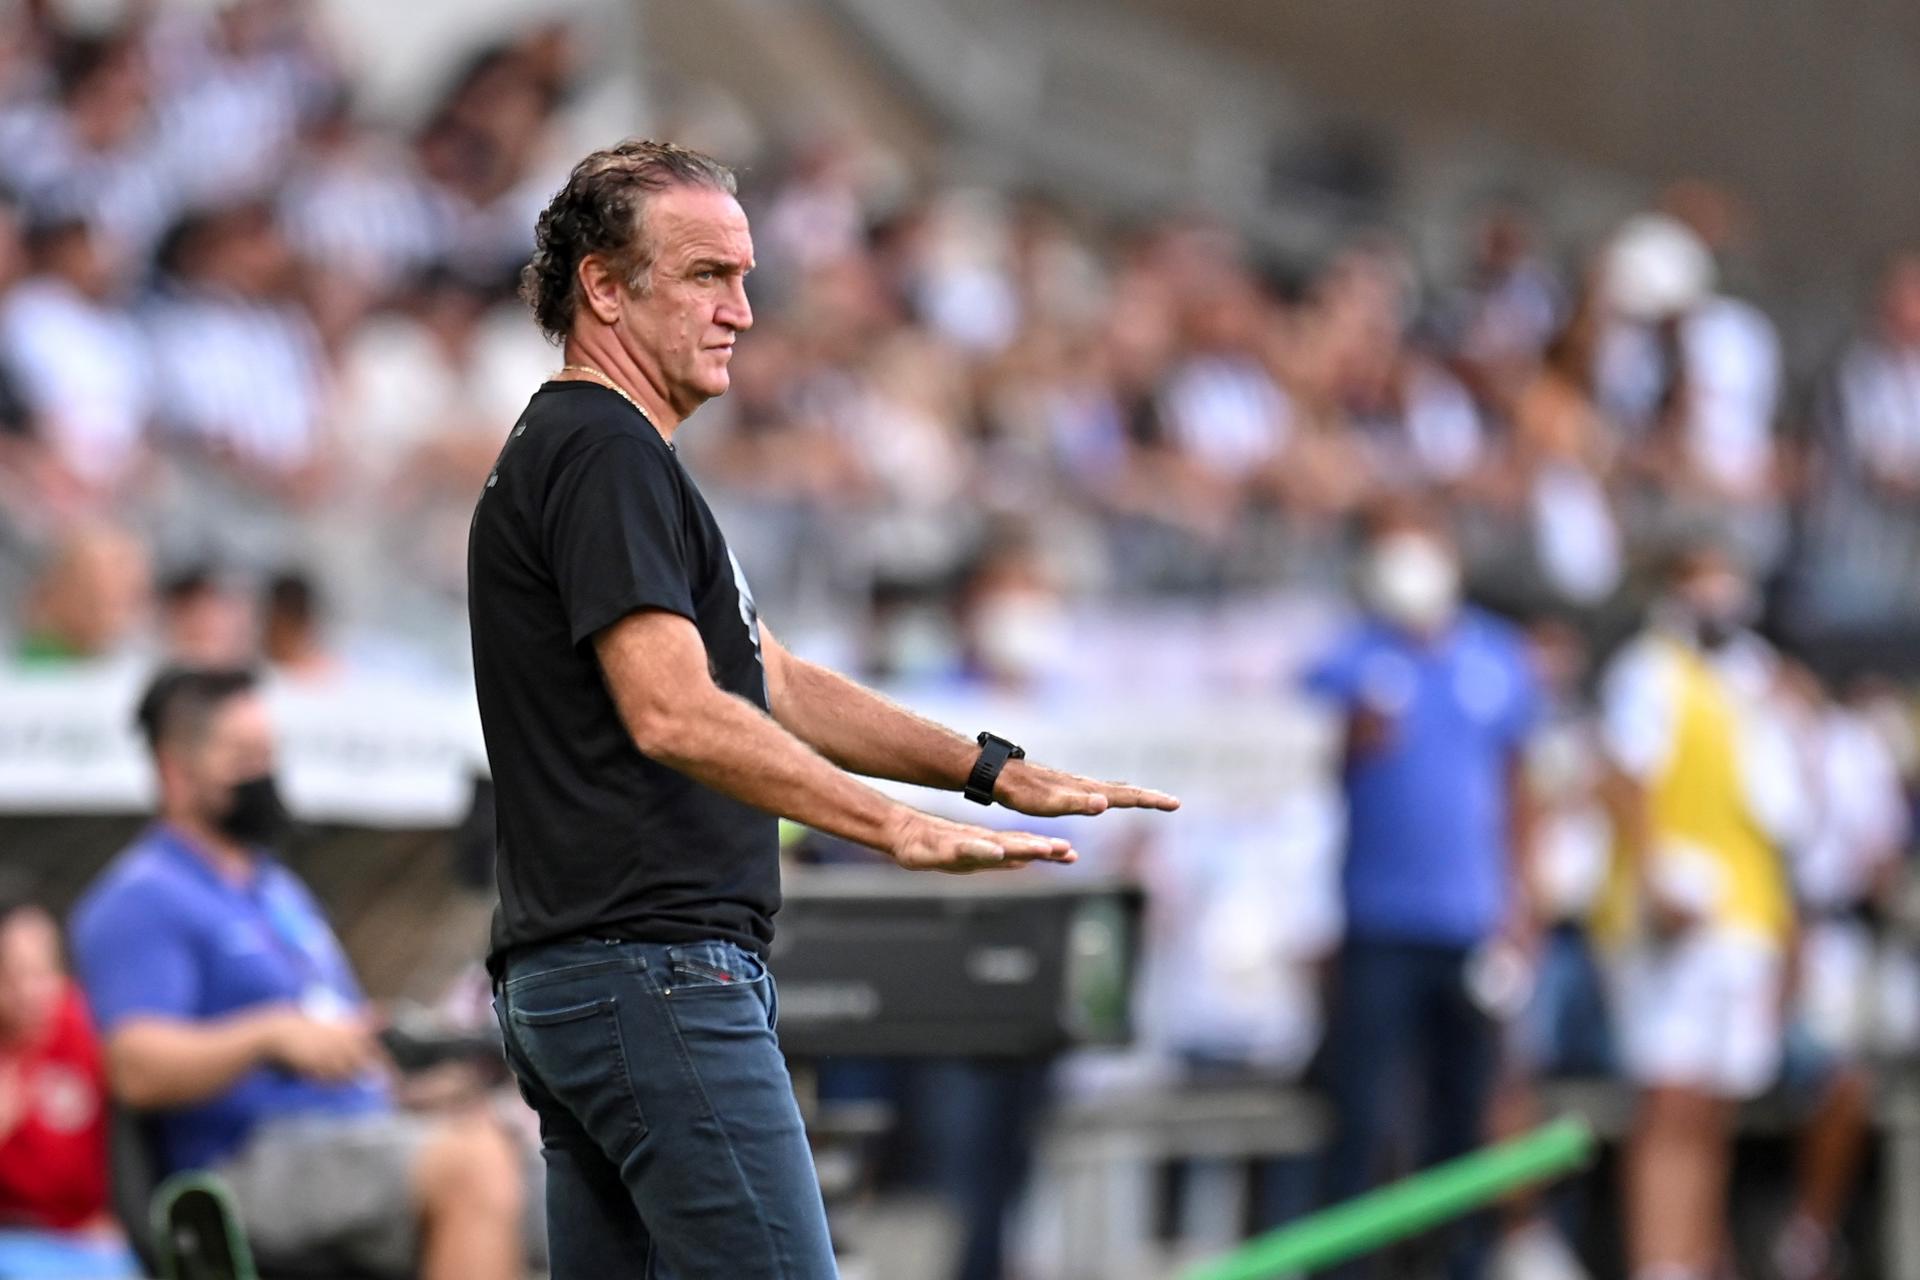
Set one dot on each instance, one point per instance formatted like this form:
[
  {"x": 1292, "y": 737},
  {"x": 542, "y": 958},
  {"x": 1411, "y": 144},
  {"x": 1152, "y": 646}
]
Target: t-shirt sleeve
[
  {"x": 1334, "y": 677},
  {"x": 1526, "y": 707},
  {"x": 1637, "y": 712},
  {"x": 133, "y": 960},
  {"x": 614, "y": 532}
]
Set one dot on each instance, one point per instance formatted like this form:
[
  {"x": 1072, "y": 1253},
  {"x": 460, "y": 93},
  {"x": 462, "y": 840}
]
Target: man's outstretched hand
[
  {"x": 1041, "y": 792},
  {"x": 922, "y": 842}
]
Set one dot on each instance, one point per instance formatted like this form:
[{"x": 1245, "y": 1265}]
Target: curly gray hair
[{"x": 602, "y": 210}]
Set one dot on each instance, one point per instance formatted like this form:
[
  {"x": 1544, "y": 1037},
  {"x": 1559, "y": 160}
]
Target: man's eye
[{"x": 705, "y": 275}]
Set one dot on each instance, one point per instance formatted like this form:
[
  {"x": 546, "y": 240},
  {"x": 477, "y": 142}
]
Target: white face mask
[{"x": 1411, "y": 580}]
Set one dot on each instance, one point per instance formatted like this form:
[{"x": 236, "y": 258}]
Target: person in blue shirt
[
  {"x": 1437, "y": 701},
  {"x": 228, "y": 1010}
]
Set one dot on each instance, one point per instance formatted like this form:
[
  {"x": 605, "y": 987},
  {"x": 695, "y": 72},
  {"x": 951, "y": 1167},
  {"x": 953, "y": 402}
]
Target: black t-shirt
[{"x": 587, "y": 517}]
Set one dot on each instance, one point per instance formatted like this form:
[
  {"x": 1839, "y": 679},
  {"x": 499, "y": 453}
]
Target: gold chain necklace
[{"x": 601, "y": 378}]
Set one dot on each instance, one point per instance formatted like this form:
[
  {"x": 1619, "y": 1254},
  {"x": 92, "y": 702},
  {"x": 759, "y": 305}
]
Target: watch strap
[{"x": 994, "y": 753}]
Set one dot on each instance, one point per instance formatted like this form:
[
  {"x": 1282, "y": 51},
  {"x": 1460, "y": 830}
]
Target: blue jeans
[
  {"x": 1401, "y": 1019},
  {"x": 674, "y": 1147},
  {"x": 1567, "y": 1028}
]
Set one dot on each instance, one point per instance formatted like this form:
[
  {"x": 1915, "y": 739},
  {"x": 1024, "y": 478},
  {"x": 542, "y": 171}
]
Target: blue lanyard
[{"x": 298, "y": 935}]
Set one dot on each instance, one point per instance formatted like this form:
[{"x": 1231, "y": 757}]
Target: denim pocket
[
  {"x": 578, "y": 1053},
  {"x": 711, "y": 966},
  {"x": 571, "y": 1013},
  {"x": 538, "y": 978}
]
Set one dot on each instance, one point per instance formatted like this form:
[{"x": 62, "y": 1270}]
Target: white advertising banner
[
  {"x": 367, "y": 752},
  {"x": 395, "y": 754}
]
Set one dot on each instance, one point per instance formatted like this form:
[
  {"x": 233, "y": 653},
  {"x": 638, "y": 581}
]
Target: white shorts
[
  {"x": 1701, "y": 1012},
  {"x": 1835, "y": 1002}
]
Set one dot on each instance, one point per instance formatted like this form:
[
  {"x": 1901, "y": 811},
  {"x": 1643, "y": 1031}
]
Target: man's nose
[{"x": 735, "y": 311}]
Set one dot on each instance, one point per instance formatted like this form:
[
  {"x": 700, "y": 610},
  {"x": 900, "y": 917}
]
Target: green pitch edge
[{"x": 1406, "y": 1208}]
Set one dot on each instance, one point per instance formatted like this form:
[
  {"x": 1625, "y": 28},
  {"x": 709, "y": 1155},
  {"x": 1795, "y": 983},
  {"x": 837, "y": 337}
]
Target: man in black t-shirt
[{"x": 644, "y": 731}]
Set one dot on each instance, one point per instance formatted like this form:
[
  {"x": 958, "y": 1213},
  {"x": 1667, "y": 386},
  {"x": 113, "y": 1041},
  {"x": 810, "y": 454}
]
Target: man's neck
[
  {"x": 600, "y": 349},
  {"x": 229, "y": 860},
  {"x": 1430, "y": 637}
]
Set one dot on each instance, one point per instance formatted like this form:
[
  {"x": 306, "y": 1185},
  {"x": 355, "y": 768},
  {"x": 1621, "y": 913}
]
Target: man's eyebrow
[{"x": 720, "y": 264}]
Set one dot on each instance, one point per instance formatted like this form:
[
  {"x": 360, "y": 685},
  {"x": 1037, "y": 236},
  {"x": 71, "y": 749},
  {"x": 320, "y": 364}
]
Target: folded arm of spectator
[
  {"x": 157, "y": 1062},
  {"x": 1523, "y": 813}
]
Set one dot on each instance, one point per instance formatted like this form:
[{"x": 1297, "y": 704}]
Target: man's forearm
[
  {"x": 1632, "y": 823},
  {"x": 161, "y": 1062},
  {"x": 732, "y": 746},
  {"x": 867, "y": 733},
  {"x": 1523, "y": 833}
]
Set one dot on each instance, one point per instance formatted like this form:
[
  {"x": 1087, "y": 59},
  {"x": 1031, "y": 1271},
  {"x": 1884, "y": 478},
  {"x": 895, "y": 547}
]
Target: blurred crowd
[
  {"x": 242, "y": 326},
  {"x": 259, "y": 332},
  {"x": 1688, "y": 871},
  {"x": 258, "y": 349}
]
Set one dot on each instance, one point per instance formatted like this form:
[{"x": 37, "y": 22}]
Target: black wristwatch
[{"x": 994, "y": 754}]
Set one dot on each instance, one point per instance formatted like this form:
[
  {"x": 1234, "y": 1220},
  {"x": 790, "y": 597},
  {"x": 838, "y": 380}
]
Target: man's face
[
  {"x": 97, "y": 595},
  {"x": 1016, "y": 625},
  {"x": 31, "y": 980},
  {"x": 211, "y": 627},
  {"x": 236, "y": 744},
  {"x": 82, "y": 261},
  {"x": 1559, "y": 657},
  {"x": 1714, "y": 589},
  {"x": 263, "y": 261},
  {"x": 1411, "y": 577},
  {"x": 685, "y": 323},
  {"x": 1711, "y": 598},
  {"x": 110, "y": 105}
]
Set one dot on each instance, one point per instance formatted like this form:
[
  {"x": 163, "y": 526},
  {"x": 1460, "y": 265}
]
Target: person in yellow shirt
[{"x": 1698, "y": 913}]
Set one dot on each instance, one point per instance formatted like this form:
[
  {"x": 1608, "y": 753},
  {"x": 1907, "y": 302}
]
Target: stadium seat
[{"x": 134, "y": 1176}]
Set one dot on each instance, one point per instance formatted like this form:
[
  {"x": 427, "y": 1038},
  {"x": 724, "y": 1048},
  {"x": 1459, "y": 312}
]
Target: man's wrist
[
  {"x": 894, "y": 828},
  {"x": 996, "y": 753},
  {"x": 270, "y": 1029},
  {"x": 263, "y": 1036},
  {"x": 1009, "y": 779},
  {"x": 965, "y": 753}
]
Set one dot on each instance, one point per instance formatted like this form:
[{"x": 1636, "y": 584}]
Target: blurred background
[{"x": 1094, "y": 347}]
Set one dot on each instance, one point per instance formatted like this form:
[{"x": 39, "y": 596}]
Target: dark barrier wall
[{"x": 393, "y": 896}]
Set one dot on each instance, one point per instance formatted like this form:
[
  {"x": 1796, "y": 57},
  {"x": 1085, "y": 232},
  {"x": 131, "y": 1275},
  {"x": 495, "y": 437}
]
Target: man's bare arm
[
  {"x": 656, "y": 667},
  {"x": 1523, "y": 835},
  {"x": 869, "y": 734},
  {"x": 860, "y": 730},
  {"x": 1626, "y": 801},
  {"x": 1629, "y": 806},
  {"x": 155, "y": 1061}
]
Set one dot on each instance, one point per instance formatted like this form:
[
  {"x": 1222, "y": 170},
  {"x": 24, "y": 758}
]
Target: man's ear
[
  {"x": 601, "y": 287},
  {"x": 169, "y": 775}
]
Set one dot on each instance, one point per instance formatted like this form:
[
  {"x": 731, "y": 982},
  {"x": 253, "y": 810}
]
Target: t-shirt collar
[{"x": 185, "y": 851}]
